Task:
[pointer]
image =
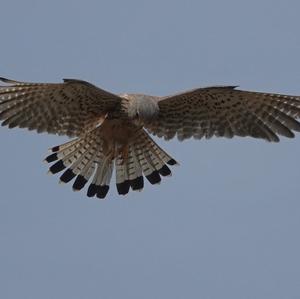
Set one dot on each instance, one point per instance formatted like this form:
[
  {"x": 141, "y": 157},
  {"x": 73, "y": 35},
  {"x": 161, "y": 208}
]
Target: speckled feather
[
  {"x": 225, "y": 111},
  {"x": 71, "y": 108},
  {"x": 110, "y": 129}
]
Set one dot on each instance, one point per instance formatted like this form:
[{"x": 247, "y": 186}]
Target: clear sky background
[{"x": 225, "y": 225}]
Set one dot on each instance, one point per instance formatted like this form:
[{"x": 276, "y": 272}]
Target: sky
[{"x": 225, "y": 225}]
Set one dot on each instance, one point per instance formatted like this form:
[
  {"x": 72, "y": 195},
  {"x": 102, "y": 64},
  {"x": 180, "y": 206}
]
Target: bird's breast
[{"x": 118, "y": 131}]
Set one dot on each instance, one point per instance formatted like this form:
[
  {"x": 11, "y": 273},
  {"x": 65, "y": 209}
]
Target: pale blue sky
[{"x": 225, "y": 225}]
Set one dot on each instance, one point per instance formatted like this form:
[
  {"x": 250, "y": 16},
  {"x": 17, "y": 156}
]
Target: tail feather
[
  {"x": 84, "y": 160},
  {"x": 122, "y": 178},
  {"x": 135, "y": 172},
  {"x": 66, "y": 152},
  {"x": 100, "y": 183},
  {"x": 61, "y": 147},
  {"x": 77, "y": 162},
  {"x": 155, "y": 158},
  {"x": 149, "y": 164},
  {"x": 85, "y": 174},
  {"x": 75, "y": 156},
  {"x": 129, "y": 173},
  {"x": 146, "y": 158}
]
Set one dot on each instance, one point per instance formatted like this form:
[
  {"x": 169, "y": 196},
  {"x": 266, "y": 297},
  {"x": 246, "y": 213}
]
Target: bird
[{"x": 111, "y": 132}]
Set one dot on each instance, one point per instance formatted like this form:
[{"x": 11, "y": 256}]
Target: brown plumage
[{"x": 110, "y": 129}]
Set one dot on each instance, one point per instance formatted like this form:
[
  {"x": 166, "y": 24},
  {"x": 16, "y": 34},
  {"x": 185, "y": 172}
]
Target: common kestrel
[{"x": 112, "y": 130}]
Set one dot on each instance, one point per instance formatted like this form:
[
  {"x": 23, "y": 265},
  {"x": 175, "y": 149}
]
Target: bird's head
[{"x": 142, "y": 106}]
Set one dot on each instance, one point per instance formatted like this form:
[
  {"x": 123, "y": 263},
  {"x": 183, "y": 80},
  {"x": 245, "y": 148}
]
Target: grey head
[{"x": 144, "y": 107}]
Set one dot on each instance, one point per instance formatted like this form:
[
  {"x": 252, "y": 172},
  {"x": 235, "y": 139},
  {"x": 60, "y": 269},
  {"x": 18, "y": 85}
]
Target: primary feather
[{"x": 110, "y": 129}]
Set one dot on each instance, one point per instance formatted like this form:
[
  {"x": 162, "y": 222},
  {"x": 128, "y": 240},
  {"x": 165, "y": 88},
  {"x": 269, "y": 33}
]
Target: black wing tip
[
  {"x": 69, "y": 80},
  {"x": 123, "y": 188},
  {"x": 223, "y": 86},
  {"x": 66, "y": 80},
  {"x": 5, "y": 80},
  {"x": 291, "y": 134}
]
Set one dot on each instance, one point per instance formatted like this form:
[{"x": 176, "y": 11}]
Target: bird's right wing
[
  {"x": 70, "y": 108},
  {"x": 226, "y": 111}
]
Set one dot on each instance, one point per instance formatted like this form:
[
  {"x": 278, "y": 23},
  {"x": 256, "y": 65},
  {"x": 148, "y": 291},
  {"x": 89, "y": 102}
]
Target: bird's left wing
[
  {"x": 226, "y": 111},
  {"x": 70, "y": 108}
]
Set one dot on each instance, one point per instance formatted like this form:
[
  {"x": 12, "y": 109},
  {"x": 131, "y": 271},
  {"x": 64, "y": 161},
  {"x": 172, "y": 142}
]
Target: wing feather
[
  {"x": 70, "y": 108},
  {"x": 226, "y": 111}
]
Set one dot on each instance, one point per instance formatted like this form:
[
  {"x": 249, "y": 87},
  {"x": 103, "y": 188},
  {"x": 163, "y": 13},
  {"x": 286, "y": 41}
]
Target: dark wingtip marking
[
  {"x": 123, "y": 188},
  {"x": 51, "y": 158},
  {"x": 57, "y": 167},
  {"x": 154, "y": 177},
  {"x": 102, "y": 191},
  {"x": 172, "y": 162},
  {"x": 67, "y": 176},
  {"x": 79, "y": 182},
  {"x": 165, "y": 170},
  {"x": 92, "y": 191},
  {"x": 137, "y": 183},
  {"x": 5, "y": 80},
  {"x": 290, "y": 135},
  {"x": 55, "y": 149}
]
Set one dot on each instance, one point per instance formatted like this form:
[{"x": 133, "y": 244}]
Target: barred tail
[
  {"x": 84, "y": 159},
  {"x": 144, "y": 157}
]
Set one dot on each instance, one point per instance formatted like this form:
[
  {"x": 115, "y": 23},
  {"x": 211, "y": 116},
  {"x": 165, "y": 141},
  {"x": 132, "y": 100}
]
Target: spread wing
[
  {"x": 225, "y": 111},
  {"x": 70, "y": 108}
]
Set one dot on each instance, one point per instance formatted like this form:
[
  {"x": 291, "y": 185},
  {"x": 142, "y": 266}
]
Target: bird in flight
[{"x": 112, "y": 131}]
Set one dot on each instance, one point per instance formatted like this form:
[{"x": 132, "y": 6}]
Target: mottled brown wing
[
  {"x": 70, "y": 108},
  {"x": 225, "y": 111}
]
